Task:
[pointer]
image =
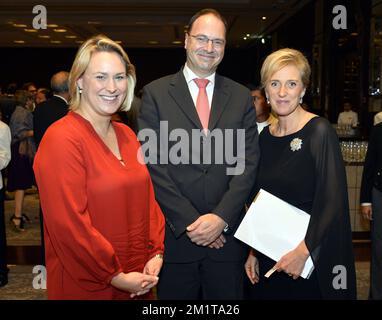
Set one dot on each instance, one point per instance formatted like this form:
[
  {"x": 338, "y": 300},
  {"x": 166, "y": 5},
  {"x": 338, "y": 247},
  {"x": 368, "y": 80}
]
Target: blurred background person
[
  {"x": 20, "y": 173},
  {"x": 348, "y": 117},
  {"x": 301, "y": 163},
  {"x": 8, "y": 102},
  {"x": 44, "y": 115},
  {"x": 371, "y": 207},
  {"x": 5, "y": 157},
  {"x": 54, "y": 108},
  {"x": 32, "y": 89},
  {"x": 42, "y": 95},
  {"x": 104, "y": 230},
  {"x": 264, "y": 117}
]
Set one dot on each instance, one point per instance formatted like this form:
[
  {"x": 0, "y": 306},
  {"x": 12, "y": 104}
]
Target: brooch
[{"x": 296, "y": 144}]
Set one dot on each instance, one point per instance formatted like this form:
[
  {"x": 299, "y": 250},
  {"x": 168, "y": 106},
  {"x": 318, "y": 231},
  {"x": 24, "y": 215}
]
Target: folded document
[{"x": 274, "y": 227}]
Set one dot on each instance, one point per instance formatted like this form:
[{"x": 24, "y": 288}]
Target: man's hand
[
  {"x": 367, "y": 212},
  {"x": 206, "y": 229},
  {"x": 218, "y": 243}
]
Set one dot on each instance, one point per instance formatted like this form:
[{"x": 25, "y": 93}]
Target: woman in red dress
[{"x": 104, "y": 229}]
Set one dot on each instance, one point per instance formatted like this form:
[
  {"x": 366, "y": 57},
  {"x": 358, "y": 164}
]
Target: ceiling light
[
  {"x": 152, "y": 42},
  {"x": 94, "y": 22},
  {"x": 354, "y": 34},
  {"x": 245, "y": 38},
  {"x": 30, "y": 30},
  {"x": 177, "y": 42},
  {"x": 19, "y": 25},
  {"x": 52, "y": 25},
  {"x": 247, "y": 35},
  {"x": 264, "y": 18},
  {"x": 55, "y": 41},
  {"x": 70, "y": 37},
  {"x": 60, "y": 30},
  {"x": 79, "y": 41},
  {"x": 44, "y": 36},
  {"x": 18, "y": 41},
  {"x": 262, "y": 40}
]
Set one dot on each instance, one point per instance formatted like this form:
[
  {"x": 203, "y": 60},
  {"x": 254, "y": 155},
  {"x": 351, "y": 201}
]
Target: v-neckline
[{"x": 103, "y": 144}]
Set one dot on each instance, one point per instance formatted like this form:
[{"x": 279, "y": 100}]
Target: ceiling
[{"x": 144, "y": 23}]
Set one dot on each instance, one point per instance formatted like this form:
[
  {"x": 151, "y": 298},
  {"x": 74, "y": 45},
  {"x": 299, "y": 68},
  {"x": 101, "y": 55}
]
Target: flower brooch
[{"x": 295, "y": 144}]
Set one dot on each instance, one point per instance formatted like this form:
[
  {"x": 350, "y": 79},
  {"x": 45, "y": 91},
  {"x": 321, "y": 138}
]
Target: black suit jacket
[
  {"x": 372, "y": 170},
  {"x": 186, "y": 191},
  {"x": 45, "y": 114}
]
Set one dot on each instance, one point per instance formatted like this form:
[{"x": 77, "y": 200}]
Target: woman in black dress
[
  {"x": 20, "y": 172},
  {"x": 301, "y": 163}
]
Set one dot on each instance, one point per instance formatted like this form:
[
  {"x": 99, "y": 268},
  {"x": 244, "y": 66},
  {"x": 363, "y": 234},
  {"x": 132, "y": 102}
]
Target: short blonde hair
[
  {"x": 280, "y": 59},
  {"x": 99, "y": 43}
]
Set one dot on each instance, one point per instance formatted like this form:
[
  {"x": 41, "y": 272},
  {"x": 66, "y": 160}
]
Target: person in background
[
  {"x": 104, "y": 230},
  {"x": 203, "y": 202},
  {"x": 23, "y": 149},
  {"x": 44, "y": 115},
  {"x": 5, "y": 157},
  {"x": 348, "y": 117},
  {"x": 8, "y": 102},
  {"x": 264, "y": 117},
  {"x": 371, "y": 207},
  {"x": 301, "y": 163},
  {"x": 54, "y": 108},
  {"x": 31, "y": 88},
  {"x": 42, "y": 95}
]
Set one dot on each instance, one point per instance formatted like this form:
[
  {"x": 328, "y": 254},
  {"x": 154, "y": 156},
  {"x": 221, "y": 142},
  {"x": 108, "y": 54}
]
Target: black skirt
[{"x": 20, "y": 171}]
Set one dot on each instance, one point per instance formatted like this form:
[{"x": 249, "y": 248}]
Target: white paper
[{"x": 274, "y": 227}]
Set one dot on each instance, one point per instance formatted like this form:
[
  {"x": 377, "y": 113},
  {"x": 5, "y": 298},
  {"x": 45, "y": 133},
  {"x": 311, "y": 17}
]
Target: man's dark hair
[
  {"x": 204, "y": 12},
  {"x": 253, "y": 87}
]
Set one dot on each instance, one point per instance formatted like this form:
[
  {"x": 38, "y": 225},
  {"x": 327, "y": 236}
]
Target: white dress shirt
[
  {"x": 348, "y": 118},
  {"x": 262, "y": 125},
  {"x": 194, "y": 89},
  {"x": 5, "y": 148}
]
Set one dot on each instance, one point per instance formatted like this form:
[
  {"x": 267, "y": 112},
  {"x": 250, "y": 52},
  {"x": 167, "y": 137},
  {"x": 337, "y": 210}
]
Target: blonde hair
[
  {"x": 99, "y": 43},
  {"x": 280, "y": 59}
]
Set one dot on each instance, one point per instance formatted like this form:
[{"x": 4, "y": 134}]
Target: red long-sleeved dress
[{"x": 100, "y": 217}]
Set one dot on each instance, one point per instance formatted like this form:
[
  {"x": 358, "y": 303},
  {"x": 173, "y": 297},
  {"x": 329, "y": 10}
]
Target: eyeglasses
[{"x": 203, "y": 40}]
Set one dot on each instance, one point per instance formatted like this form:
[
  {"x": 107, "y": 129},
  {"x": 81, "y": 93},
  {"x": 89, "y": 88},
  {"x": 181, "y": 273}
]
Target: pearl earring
[{"x": 80, "y": 90}]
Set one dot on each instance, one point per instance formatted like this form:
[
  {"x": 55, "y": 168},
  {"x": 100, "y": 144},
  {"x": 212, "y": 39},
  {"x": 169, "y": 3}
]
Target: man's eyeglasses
[{"x": 203, "y": 40}]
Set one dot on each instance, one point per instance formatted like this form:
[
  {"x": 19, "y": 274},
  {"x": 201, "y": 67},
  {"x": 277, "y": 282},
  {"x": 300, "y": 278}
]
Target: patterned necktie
[{"x": 202, "y": 106}]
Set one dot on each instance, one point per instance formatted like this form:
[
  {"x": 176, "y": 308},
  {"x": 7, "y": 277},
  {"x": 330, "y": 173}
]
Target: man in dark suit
[
  {"x": 371, "y": 207},
  {"x": 54, "y": 108},
  {"x": 44, "y": 115},
  {"x": 201, "y": 192}
]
